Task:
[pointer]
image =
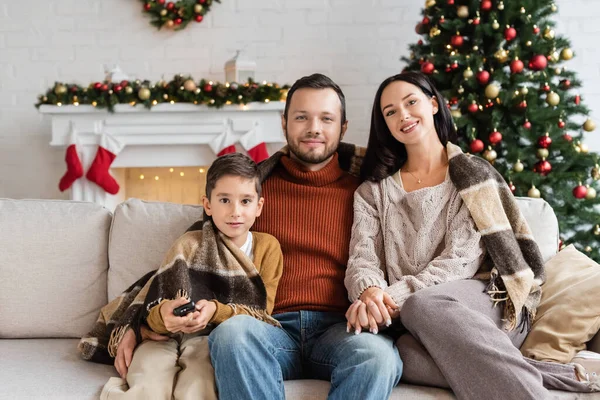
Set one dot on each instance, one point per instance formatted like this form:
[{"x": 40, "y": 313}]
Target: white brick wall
[{"x": 355, "y": 42}]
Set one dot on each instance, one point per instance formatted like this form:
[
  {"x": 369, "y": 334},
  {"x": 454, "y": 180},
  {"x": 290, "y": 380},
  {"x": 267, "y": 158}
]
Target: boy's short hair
[{"x": 234, "y": 164}]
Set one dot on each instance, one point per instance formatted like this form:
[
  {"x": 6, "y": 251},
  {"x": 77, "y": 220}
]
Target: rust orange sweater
[{"x": 310, "y": 213}]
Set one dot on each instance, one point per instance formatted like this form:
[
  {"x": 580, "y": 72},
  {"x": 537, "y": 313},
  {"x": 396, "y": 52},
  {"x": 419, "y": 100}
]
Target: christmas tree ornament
[
  {"x": 597, "y": 230},
  {"x": 542, "y": 153},
  {"x": 552, "y": 99},
  {"x": 591, "y": 193},
  {"x": 456, "y": 114},
  {"x": 561, "y": 124},
  {"x": 490, "y": 155},
  {"x": 583, "y": 148},
  {"x": 524, "y": 90},
  {"x": 483, "y": 77},
  {"x": 198, "y": 8},
  {"x": 147, "y": 6},
  {"x": 534, "y": 192},
  {"x": 454, "y": 65},
  {"x": 522, "y": 10},
  {"x": 492, "y": 91},
  {"x": 468, "y": 73},
  {"x": 476, "y": 146},
  {"x": 518, "y": 166},
  {"x": 144, "y": 93},
  {"x": 495, "y": 137},
  {"x": 170, "y": 6},
  {"x": 462, "y": 11},
  {"x": 567, "y": 137},
  {"x": 587, "y": 249},
  {"x": 589, "y": 125},
  {"x": 198, "y": 18},
  {"x": 516, "y": 66},
  {"x": 542, "y": 167},
  {"x": 527, "y": 124},
  {"x": 545, "y": 87},
  {"x": 536, "y": 29},
  {"x": 538, "y": 63},
  {"x": 189, "y": 85},
  {"x": 170, "y": 23},
  {"x": 178, "y": 21},
  {"x": 565, "y": 83},
  {"x": 60, "y": 89},
  {"x": 544, "y": 141},
  {"x": 425, "y": 20},
  {"x": 163, "y": 12},
  {"x": 553, "y": 57},
  {"x": 510, "y": 33},
  {"x": 500, "y": 6},
  {"x": 450, "y": 2},
  {"x": 486, "y": 5},
  {"x": 528, "y": 43},
  {"x": 501, "y": 55},
  {"x": 577, "y": 99},
  {"x": 595, "y": 172},
  {"x": 434, "y": 31},
  {"x": 442, "y": 19},
  {"x": 522, "y": 105},
  {"x": 460, "y": 89},
  {"x": 548, "y": 33},
  {"x": 512, "y": 187},
  {"x": 476, "y": 20},
  {"x": 427, "y": 68},
  {"x": 579, "y": 191},
  {"x": 473, "y": 107},
  {"x": 208, "y": 87},
  {"x": 456, "y": 40},
  {"x": 495, "y": 25},
  {"x": 429, "y": 3},
  {"x": 553, "y": 7},
  {"x": 566, "y": 54}
]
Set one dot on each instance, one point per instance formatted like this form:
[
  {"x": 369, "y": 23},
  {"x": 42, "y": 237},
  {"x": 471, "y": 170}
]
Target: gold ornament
[
  {"x": 595, "y": 172},
  {"x": 60, "y": 89},
  {"x": 170, "y": 23},
  {"x": 591, "y": 193},
  {"x": 518, "y": 166},
  {"x": 522, "y": 10},
  {"x": 588, "y": 249},
  {"x": 198, "y": 8},
  {"x": 490, "y": 155},
  {"x": 468, "y": 73},
  {"x": 501, "y": 6},
  {"x": 566, "y": 54},
  {"x": 128, "y": 90},
  {"x": 501, "y": 55},
  {"x": 597, "y": 230},
  {"x": 475, "y": 48},
  {"x": 534, "y": 192},
  {"x": 542, "y": 153},
  {"x": 589, "y": 125},
  {"x": 495, "y": 25},
  {"x": 528, "y": 43},
  {"x": 429, "y": 3},
  {"x": 284, "y": 94},
  {"x": 460, "y": 90},
  {"x": 584, "y": 148},
  {"x": 434, "y": 31},
  {"x": 144, "y": 93},
  {"x": 462, "y": 11},
  {"x": 548, "y": 33},
  {"x": 189, "y": 85},
  {"x": 524, "y": 91},
  {"x": 166, "y": 96},
  {"x": 492, "y": 91},
  {"x": 163, "y": 12},
  {"x": 456, "y": 114},
  {"x": 552, "y": 99},
  {"x": 554, "y": 57},
  {"x": 553, "y": 7}
]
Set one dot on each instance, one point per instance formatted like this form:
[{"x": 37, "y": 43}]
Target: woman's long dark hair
[{"x": 385, "y": 155}]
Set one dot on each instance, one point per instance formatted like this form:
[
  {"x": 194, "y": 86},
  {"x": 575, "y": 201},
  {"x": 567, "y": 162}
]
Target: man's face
[{"x": 313, "y": 128}]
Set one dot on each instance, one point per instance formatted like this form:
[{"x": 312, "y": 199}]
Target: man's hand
[{"x": 127, "y": 346}]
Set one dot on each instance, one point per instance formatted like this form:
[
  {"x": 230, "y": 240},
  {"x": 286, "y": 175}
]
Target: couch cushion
[
  {"x": 140, "y": 235},
  {"x": 543, "y": 224},
  {"x": 53, "y": 267},
  {"x": 49, "y": 369},
  {"x": 569, "y": 313}
]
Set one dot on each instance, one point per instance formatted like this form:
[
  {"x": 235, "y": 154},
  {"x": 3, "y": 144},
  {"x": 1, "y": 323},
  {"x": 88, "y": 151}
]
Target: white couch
[{"x": 60, "y": 261}]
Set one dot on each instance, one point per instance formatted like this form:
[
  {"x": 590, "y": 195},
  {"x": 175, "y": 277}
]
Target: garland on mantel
[
  {"x": 181, "y": 89},
  {"x": 176, "y": 14}
]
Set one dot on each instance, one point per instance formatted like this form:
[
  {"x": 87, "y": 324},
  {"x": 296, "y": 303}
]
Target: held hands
[
  {"x": 127, "y": 346},
  {"x": 374, "y": 310},
  {"x": 190, "y": 323}
]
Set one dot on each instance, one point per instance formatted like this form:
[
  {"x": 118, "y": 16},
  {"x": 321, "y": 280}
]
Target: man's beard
[{"x": 311, "y": 157}]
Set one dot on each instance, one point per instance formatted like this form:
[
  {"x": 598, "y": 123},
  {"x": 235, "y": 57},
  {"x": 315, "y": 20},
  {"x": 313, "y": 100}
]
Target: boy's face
[{"x": 234, "y": 206}]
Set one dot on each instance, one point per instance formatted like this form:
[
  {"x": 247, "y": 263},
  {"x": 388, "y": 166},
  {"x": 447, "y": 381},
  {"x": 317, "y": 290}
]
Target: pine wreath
[{"x": 176, "y": 14}]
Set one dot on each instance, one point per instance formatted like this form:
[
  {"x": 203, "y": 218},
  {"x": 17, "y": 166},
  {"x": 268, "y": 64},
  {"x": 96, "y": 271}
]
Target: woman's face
[{"x": 408, "y": 112}]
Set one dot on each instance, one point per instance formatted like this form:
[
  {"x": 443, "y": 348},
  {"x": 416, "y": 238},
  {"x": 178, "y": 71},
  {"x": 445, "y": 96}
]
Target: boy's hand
[
  {"x": 186, "y": 324},
  {"x": 207, "y": 310}
]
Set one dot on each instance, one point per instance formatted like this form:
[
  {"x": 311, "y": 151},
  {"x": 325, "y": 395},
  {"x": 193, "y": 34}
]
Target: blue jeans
[{"x": 252, "y": 358}]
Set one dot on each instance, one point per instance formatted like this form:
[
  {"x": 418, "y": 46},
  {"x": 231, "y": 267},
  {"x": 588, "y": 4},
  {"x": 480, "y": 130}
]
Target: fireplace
[{"x": 166, "y": 148}]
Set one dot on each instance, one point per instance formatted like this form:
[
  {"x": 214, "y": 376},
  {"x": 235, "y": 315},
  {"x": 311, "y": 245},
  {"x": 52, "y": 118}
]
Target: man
[{"x": 310, "y": 198}]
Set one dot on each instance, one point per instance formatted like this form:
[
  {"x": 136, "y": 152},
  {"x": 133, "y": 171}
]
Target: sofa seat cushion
[{"x": 49, "y": 369}]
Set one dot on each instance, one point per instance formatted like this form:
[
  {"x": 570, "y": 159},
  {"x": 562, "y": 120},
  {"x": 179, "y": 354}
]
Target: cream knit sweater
[{"x": 406, "y": 241}]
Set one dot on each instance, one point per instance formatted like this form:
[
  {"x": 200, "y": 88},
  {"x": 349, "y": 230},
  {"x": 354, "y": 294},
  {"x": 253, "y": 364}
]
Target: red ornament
[
  {"x": 124, "y": 83},
  {"x": 561, "y": 124},
  {"x": 544, "y": 141},
  {"x": 199, "y": 18},
  {"x": 489, "y": 104},
  {"x": 523, "y": 105},
  {"x": 476, "y": 21},
  {"x": 454, "y": 65},
  {"x": 516, "y": 66},
  {"x": 448, "y": 68},
  {"x": 483, "y": 77},
  {"x": 579, "y": 192},
  {"x": 427, "y": 68},
  {"x": 201, "y": 1},
  {"x": 118, "y": 88},
  {"x": 536, "y": 30},
  {"x": 425, "y": 21},
  {"x": 495, "y": 137},
  {"x": 512, "y": 187},
  {"x": 476, "y": 146},
  {"x": 538, "y": 63},
  {"x": 442, "y": 19},
  {"x": 170, "y": 6},
  {"x": 419, "y": 29},
  {"x": 104, "y": 87},
  {"x": 546, "y": 88},
  {"x": 97, "y": 86},
  {"x": 178, "y": 21},
  {"x": 527, "y": 124},
  {"x": 456, "y": 41},
  {"x": 147, "y": 6},
  {"x": 161, "y": 2},
  {"x": 510, "y": 33},
  {"x": 542, "y": 167},
  {"x": 74, "y": 89},
  {"x": 486, "y": 5},
  {"x": 577, "y": 99},
  {"x": 208, "y": 87},
  {"x": 473, "y": 107},
  {"x": 450, "y": 2},
  {"x": 565, "y": 83},
  {"x": 420, "y": 42},
  {"x": 567, "y": 137},
  {"x": 454, "y": 100}
]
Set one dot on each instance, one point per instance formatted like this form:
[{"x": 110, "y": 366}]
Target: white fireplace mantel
[{"x": 168, "y": 135}]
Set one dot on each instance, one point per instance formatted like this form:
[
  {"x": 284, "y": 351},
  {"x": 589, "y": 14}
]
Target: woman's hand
[{"x": 374, "y": 310}]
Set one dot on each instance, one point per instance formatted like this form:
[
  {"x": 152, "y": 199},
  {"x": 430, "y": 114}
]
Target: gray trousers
[{"x": 457, "y": 341}]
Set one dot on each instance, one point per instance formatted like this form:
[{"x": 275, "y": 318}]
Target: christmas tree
[{"x": 503, "y": 70}]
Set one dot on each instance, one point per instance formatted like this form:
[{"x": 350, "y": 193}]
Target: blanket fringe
[
  {"x": 260, "y": 315},
  {"x": 116, "y": 336}
]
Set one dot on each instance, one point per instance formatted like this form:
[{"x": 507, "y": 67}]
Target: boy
[{"x": 223, "y": 267}]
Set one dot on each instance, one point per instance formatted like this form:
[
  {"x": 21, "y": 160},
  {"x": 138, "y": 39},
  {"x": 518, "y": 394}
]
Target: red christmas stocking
[
  {"x": 99, "y": 173},
  {"x": 225, "y": 142},
  {"x": 74, "y": 167},
  {"x": 253, "y": 143}
]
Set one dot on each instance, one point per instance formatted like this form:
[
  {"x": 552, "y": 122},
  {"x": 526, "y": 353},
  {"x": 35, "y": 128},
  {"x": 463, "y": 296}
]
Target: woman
[{"x": 427, "y": 219}]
